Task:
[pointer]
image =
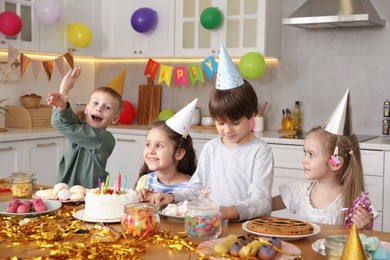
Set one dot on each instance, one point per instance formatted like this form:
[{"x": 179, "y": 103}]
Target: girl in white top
[{"x": 330, "y": 186}]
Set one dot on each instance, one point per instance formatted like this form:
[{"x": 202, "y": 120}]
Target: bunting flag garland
[
  {"x": 48, "y": 65},
  {"x": 151, "y": 69},
  {"x": 195, "y": 73},
  {"x": 24, "y": 63},
  {"x": 165, "y": 74},
  {"x": 180, "y": 76},
  {"x": 210, "y": 66}
]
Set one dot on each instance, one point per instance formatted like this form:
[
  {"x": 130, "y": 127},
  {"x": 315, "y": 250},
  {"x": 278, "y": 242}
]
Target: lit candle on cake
[{"x": 125, "y": 184}]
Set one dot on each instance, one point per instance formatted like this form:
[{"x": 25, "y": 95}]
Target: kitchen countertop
[{"x": 272, "y": 137}]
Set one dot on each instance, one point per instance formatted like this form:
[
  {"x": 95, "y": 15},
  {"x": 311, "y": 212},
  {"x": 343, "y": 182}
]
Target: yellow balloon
[{"x": 79, "y": 35}]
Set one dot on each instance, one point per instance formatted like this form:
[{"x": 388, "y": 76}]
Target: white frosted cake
[{"x": 109, "y": 205}]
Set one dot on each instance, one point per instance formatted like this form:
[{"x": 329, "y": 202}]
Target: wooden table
[{"x": 155, "y": 252}]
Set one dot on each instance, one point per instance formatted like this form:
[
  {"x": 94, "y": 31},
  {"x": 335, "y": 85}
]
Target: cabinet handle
[
  {"x": 72, "y": 49},
  {"x": 126, "y": 140},
  {"x": 45, "y": 145},
  {"x": 6, "y": 148}
]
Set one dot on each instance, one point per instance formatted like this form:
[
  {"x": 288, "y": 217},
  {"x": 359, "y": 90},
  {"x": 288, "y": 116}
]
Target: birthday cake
[{"x": 108, "y": 204}]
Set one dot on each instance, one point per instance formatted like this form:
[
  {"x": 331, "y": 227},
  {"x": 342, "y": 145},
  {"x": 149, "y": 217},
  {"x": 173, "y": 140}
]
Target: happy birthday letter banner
[
  {"x": 48, "y": 65},
  {"x": 181, "y": 75}
]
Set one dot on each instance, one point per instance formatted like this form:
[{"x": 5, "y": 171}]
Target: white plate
[
  {"x": 172, "y": 217},
  {"x": 82, "y": 216},
  {"x": 207, "y": 247},
  {"x": 50, "y": 204},
  {"x": 316, "y": 230}
]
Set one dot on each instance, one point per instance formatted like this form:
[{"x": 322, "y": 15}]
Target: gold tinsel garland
[{"x": 60, "y": 236}]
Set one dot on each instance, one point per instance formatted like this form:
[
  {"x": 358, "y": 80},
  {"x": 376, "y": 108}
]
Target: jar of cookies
[
  {"x": 140, "y": 219},
  {"x": 203, "y": 217},
  {"x": 22, "y": 184}
]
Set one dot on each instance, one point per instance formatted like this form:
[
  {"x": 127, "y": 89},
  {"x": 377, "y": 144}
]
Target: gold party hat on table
[{"x": 353, "y": 249}]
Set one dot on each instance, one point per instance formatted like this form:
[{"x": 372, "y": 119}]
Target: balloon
[
  {"x": 165, "y": 114},
  {"x": 252, "y": 65},
  {"x": 10, "y": 23},
  {"x": 127, "y": 115},
  {"x": 211, "y": 18},
  {"x": 144, "y": 20},
  {"x": 79, "y": 35},
  {"x": 48, "y": 11}
]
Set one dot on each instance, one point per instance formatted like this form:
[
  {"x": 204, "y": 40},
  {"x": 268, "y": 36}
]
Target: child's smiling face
[{"x": 101, "y": 110}]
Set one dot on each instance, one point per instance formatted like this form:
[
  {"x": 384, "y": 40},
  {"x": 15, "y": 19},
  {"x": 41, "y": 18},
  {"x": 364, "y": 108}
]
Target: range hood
[{"x": 321, "y": 14}]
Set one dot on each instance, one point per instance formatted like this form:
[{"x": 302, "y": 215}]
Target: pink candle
[{"x": 119, "y": 183}]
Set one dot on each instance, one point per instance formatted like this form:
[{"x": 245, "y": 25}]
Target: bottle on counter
[
  {"x": 386, "y": 108},
  {"x": 385, "y": 126},
  {"x": 297, "y": 117},
  {"x": 287, "y": 122}
]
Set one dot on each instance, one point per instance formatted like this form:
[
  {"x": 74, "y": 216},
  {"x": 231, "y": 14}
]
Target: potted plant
[{"x": 3, "y": 110}]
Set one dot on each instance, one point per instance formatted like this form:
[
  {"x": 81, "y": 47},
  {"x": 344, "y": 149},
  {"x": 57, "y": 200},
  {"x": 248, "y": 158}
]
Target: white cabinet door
[
  {"x": 42, "y": 157},
  {"x": 386, "y": 194},
  {"x": 248, "y": 25},
  {"x": 11, "y": 158},
  {"x": 119, "y": 39},
  {"x": 198, "y": 146},
  {"x": 87, "y": 12},
  {"x": 28, "y": 38},
  {"x": 126, "y": 158}
]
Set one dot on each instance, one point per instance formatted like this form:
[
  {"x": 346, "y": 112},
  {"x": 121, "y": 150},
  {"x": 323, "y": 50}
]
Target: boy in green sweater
[{"x": 90, "y": 144}]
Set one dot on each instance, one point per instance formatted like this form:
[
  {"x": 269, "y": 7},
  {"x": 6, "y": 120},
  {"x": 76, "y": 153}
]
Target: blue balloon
[{"x": 144, "y": 20}]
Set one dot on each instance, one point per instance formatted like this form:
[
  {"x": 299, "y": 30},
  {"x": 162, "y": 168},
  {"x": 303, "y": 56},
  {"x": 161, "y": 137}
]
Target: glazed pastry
[
  {"x": 63, "y": 194},
  {"x": 224, "y": 246},
  {"x": 276, "y": 242},
  {"x": 250, "y": 249},
  {"x": 47, "y": 194},
  {"x": 13, "y": 206},
  {"x": 59, "y": 186},
  {"x": 39, "y": 205},
  {"x": 24, "y": 207},
  {"x": 76, "y": 196},
  {"x": 268, "y": 252},
  {"x": 78, "y": 189}
]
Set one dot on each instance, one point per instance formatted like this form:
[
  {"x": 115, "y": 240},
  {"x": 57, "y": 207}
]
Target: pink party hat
[
  {"x": 228, "y": 76},
  {"x": 181, "y": 121},
  {"x": 340, "y": 122}
]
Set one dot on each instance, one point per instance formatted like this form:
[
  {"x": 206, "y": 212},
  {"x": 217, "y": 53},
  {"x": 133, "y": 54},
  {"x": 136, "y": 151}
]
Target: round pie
[{"x": 280, "y": 226}]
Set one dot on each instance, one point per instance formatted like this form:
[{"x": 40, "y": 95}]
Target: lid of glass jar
[
  {"x": 203, "y": 202},
  {"x": 21, "y": 176}
]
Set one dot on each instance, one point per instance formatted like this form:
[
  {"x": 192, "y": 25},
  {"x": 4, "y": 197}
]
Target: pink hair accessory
[
  {"x": 365, "y": 202},
  {"x": 335, "y": 160}
]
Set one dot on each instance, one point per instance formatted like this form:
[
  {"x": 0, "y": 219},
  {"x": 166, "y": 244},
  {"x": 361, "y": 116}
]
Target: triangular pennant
[
  {"x": 165, "y": 74},
  {"x": 210, "y": 66},
  {"x": 48, "y": 66},
  {"x": 24, "y": 63},
  {"x": 60, "y": 64},
  {"x": 195, "y": 73},
  {"x": 69, "y": 58},
  {"x": 118, "y": 82},
  {"x": 180, "y": 76},
  {"x": 36, "y": 67},
  {"x": 12, "y": 54},
  {"x": 151, "y": 69}
]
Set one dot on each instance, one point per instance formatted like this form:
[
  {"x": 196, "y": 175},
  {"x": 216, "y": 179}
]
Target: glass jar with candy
[
  {"x": 140, "y": 219},
  {"x": 203, "y": 217}
]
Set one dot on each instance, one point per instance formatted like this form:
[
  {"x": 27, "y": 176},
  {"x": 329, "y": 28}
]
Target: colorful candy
[
  {"x": 203, "y": 226},
  {"x": 141, "y": 220}
]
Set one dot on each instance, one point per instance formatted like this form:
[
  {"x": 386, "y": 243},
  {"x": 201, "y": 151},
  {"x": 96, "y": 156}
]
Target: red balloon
[
  {"x": 10, "y": 23},
  {"x": 127, "y": 115}
]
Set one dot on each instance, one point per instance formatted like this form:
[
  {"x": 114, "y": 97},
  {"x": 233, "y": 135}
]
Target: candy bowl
[{"x": 140, "y": 219}]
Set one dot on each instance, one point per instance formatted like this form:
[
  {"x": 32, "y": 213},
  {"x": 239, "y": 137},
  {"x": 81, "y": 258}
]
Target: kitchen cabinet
[
  {"x": 119, "y": 39},
  {"x": 288, "y": 168},
  {"x": 53, "y": 38},
  {"x": 386, "y": 195},
  {"x": 42, "y": 157},
  {"x": 248, "y": 25},
  {"x": 126, "y": 158},
  {"x": 11, "y": 157},
  {"x": 198, "y": 145}
]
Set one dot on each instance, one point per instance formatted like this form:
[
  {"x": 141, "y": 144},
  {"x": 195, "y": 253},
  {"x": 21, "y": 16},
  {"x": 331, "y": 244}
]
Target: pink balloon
[
  {"x": 48, "y": 11},
  {"x": 10, "y": 23}
]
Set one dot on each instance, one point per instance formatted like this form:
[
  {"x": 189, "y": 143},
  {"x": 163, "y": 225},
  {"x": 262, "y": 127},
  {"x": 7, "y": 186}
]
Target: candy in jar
[
  {"x": 203, "y": 217},
  {"x": 140, "y": 219}
]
